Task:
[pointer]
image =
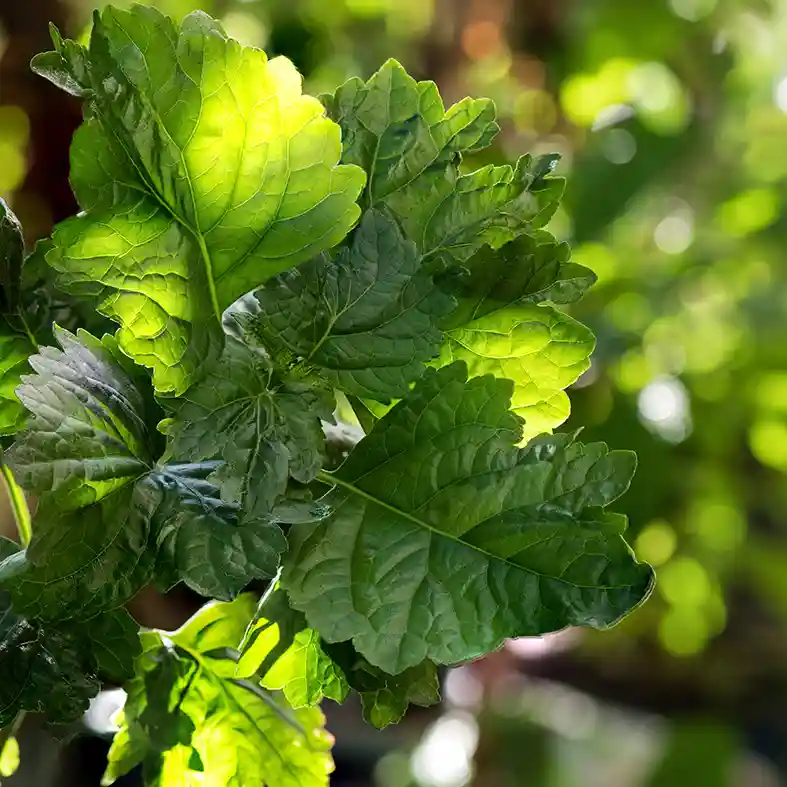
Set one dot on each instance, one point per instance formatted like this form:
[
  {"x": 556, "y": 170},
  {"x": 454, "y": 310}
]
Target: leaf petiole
[{"x": 18, "y": 504}]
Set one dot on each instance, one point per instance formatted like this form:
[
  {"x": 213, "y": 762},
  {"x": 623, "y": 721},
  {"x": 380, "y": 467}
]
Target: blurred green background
[{"x": 671, "y": 117}]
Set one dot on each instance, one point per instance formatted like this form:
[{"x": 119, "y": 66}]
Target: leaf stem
[{"x": 18, "y": 505}]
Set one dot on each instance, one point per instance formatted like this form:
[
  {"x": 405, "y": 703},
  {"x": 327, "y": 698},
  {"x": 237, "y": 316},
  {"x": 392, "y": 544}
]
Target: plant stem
[
  {"x": 18, "y": 504},
  {"x": 11, "y": 730}
]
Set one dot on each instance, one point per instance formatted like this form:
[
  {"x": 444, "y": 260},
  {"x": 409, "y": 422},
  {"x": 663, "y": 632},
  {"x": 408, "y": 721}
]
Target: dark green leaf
[
  {"x": 204, "y": 541},
  {"x": 385, "y": 698},
  {"x": 52, "y": 669},
  {"x": 80, "y": 563},
  {"x": 445, "y": 539},
  {"x": 203, "y": 171},
  {"x": 398, "y": 131},
  {"x": 368, "y": 319},
  {"x": 265, "y": 430},
  {"x": 531, "y": 269}
]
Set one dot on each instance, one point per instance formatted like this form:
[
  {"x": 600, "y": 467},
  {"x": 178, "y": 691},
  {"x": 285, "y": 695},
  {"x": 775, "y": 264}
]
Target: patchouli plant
[{"x": 335, "y": 363}]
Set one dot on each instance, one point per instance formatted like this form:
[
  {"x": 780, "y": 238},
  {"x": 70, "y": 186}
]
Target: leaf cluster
[{"x": 281, "y": 273}]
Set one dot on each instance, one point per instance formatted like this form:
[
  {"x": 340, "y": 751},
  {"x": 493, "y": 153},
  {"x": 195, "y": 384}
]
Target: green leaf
[
  {"x": 87, "y": 436},
  {"x": 368, "y": 319},
  {"x": 108, "y": 516},
  {"x": 398, "y": 131},
  {"x": 80, "y": 563},
  {"x": 16, "y": 341},
  {"x": 15, "y": 349},
  {"x": 289, "y": 656},
  {"x": 385, "y": 698},
  {"x": 189, "y": 721},
  {"x": 263, "y": 428},
  {"x": 445, "y": 539},
  {"x": 203, "y": 541},
  {"x": 12, "y": 251},
  {"x": 539, "y": 348},
  {"x": 114, "y": 639},
  {"x": 203, "y": 172},
  {"x": 528, "y": 269},
  {"x": 42, "y": 670},
  {"x": 53, "y": 669}
]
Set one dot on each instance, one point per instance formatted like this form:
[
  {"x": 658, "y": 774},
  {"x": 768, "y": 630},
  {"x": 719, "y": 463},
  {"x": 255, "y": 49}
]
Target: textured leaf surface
[
  {"x": 108, "y": 515},
  {"x": 539, "y": 348},
  {"x": 203, "y": 541},
  {"x": 399, "y": 132},
  {"x": 87, "y": 436},
  {"x": 80, "y": 563},
  {"x": 190, "y": 722},
  {"x": 444, "y": 538},
  {"x": 367, "y": 318},
  {"x": 203, "y": 171},
  {"x": 54, "y": 669},
  {"x": 264, "y": 429},
  {"x": 529, "y": 269}
]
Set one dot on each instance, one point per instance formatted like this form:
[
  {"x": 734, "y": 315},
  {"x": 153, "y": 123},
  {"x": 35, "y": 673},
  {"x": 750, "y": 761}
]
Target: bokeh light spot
[{"x": 656, "y": 543}]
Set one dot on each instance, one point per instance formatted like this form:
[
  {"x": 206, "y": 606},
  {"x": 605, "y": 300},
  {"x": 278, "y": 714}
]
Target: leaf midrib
[{"x": 333, "y": 480}]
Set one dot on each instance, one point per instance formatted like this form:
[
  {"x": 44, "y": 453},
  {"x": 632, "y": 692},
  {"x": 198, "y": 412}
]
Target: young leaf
[
  {"x": 445, "y": 539},
  {"x": 264, "y": 429},
  {"x": 288, "y": 655},
  {"x": 529, "y": 269},
  {"x": 399, "y": 132},
  {"x": 541, "y": 349},
  {"x": 368, "y": 319},
  {"x": 188, "y": 720},
  {"x": 203, "y": 171}
]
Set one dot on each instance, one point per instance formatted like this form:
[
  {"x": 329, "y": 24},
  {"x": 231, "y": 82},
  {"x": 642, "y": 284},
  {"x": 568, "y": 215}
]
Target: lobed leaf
[
  {"x": 265, "y": 429},
  {"x": 54, "y": 669},
  {"x": 202, "y": 170},
  {"x": 188, "y": 720},
  {"x": 109, "y": 516},
  {"x": 529, "y": 269},
  {"x": 289, "y": 656},
  {"x": 445, "y": 539},
  {"x": 398, "y": 131},
  {"x": 368, "y": 318},
  {"x": 208, "y": 544},
  {"x": 539, "y": 348}
]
